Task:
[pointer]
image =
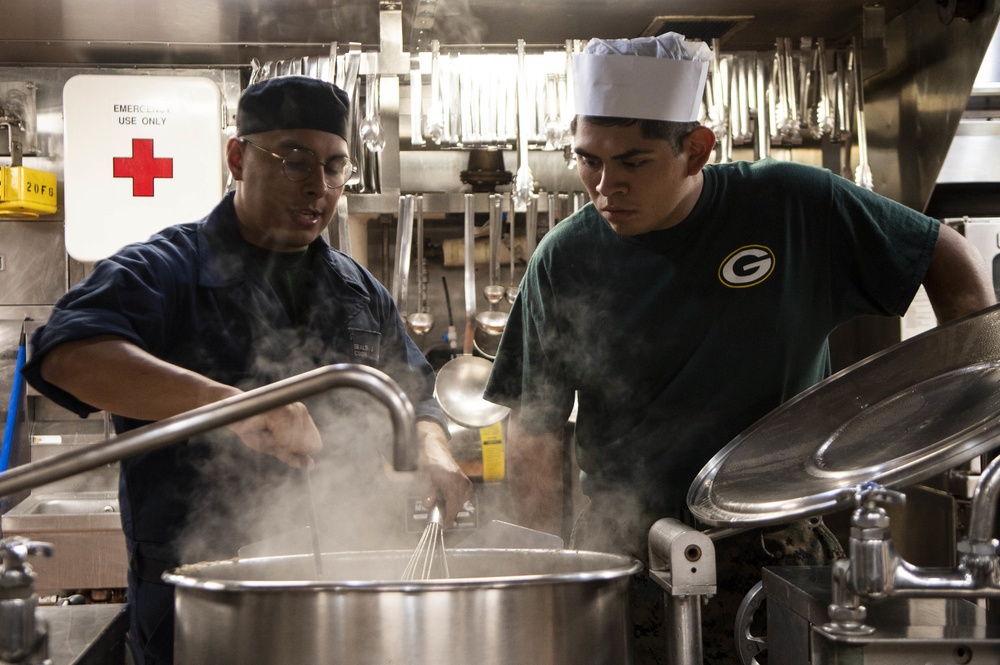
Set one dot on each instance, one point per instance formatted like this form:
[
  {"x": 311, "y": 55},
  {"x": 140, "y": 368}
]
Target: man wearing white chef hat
[{"x": 683, "y": 303}]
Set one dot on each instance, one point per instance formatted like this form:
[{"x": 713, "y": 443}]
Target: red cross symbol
[{"x": 142, "y": 167}]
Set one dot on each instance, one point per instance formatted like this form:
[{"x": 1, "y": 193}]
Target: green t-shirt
[{"x": 676, "y": 341}]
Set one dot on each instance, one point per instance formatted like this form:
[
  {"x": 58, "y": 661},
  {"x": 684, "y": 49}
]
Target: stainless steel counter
[{"x": 86, "y": 634}]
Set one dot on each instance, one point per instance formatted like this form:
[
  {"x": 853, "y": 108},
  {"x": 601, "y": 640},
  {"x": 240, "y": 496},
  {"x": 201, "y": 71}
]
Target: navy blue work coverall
[{"x": 196, "y": 295}]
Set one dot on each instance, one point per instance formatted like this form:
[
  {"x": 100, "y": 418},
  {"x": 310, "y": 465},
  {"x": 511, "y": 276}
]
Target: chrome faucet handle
[
  {"x": 23, "y": 637},
  {"x": 14, "y": 553},
  {"x": 870, "y": 495},
  {"x": 871, "y": 500}
]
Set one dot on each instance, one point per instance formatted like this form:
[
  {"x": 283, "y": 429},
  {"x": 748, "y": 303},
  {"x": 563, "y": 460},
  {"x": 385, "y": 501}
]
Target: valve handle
[
  {"x": 14, "y": 552},
  {"x": 871, "y": 495}
]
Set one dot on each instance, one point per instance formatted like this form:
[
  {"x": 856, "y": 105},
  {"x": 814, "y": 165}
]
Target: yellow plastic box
[{"x": 26, "y": 193}]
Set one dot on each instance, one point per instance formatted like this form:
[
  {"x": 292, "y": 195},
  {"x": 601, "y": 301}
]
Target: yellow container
[{"x": 26, "y": 193}]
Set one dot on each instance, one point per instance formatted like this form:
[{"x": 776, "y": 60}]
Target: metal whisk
[{"x": 428, "y": 560}]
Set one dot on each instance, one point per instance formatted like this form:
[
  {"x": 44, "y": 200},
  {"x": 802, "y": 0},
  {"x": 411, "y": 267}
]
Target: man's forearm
[
  {"x": 114, "y": 375},
  {"x": 534, "y": 476}
]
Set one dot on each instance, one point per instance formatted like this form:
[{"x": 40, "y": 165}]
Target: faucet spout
[
  {"x": 984, "y": 504},
  {"x": 174, "y": 429}
]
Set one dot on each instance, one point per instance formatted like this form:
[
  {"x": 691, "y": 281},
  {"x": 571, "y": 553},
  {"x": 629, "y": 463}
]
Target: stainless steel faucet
[
  {"x": 173, "y": 429},
  {"x": 22, "y": 638},
  {"x": 874, "y": 570}
]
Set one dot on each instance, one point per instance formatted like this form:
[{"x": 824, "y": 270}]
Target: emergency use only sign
[{"x": 142, "y": 153}]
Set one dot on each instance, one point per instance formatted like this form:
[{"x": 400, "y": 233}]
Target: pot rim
[{"x": 186, "y": 576}]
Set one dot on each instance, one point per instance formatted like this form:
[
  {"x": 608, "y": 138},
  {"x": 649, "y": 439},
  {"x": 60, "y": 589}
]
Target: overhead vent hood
[
  {"x": 705, "y": 28},
  {"x": 969, "y": 182}
]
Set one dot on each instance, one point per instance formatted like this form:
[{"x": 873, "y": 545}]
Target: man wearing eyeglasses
[{"x": 202, "y": 311}]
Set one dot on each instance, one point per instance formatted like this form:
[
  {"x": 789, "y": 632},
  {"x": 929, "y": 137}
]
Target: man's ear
[
  {"x": 700, "y": 144},
  {"x": 234, "y": 158}
]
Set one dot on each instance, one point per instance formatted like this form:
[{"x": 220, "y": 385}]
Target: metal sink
[
  {"x": 64, "y": 511},
  {"x": 86, "y": 533},
  {"x": 74, "y": 505}
]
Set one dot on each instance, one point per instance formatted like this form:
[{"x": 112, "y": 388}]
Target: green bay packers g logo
[{"x": 747, "y": 266}]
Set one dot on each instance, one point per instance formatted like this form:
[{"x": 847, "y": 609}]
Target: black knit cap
[{"x": 292, "y": 102}]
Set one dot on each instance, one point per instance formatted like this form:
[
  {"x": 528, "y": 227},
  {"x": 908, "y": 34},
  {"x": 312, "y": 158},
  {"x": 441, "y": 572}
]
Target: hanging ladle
[
  {"x": 422, "y": 320},
  {"x": 460, "y": 384},
  {"x": 491, "y": 321}
]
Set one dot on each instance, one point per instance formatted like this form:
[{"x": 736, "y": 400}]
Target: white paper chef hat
[{"x": 647, "y": 78}]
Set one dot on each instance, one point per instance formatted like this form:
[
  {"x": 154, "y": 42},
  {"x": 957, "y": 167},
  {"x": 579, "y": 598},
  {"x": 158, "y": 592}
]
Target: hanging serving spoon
[
  {"x": 434, "y": 121},
  {"x": 512, "y": 289},
  {"x": 371, "y": 127}
]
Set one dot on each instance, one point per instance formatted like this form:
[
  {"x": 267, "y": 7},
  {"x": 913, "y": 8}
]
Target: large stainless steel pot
[{"x": 503, "y": 606}]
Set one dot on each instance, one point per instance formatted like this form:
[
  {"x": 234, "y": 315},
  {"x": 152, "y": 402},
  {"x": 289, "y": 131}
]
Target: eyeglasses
[{"x": 299, "y": 164}]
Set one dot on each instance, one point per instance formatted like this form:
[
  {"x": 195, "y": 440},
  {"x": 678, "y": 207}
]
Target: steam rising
[{"x": 247, "y": 498}]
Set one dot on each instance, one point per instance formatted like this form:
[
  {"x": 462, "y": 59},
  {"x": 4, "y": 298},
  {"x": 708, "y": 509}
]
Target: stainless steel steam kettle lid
[{"x": 918, "y": 408}]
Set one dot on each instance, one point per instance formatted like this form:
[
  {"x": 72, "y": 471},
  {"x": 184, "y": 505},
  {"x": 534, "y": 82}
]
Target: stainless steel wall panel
[{"x": 33, "y": 263}]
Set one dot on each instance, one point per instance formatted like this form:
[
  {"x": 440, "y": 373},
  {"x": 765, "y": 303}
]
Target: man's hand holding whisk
[
  {"x": 287, "y": 432},
  {"x": 439, "y": 474}
]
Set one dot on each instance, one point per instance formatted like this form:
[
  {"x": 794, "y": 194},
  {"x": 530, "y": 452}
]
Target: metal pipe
[
  {"x": 909, "y": 581},
  {"x": 470, "y": 273},
  {"x": 173, "y": 429},
  {"x": 984, "y": 504},
  {"x": 684, "y": 623}
]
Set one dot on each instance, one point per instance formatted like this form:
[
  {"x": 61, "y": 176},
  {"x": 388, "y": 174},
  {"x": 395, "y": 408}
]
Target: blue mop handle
[{"x": 13, "y": 406}]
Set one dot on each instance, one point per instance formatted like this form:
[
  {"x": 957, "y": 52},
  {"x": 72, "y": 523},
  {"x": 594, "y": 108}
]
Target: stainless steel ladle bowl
[
  {"x": 420, "y": 322},
  {"x": 492, "y": 322},
  {"x": 459, "y": 388}
]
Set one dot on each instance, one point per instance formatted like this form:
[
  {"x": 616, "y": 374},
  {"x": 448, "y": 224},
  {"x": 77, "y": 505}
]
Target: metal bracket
[
  {"x": 18, "y": 115},
  {"x": 686, "y": 554},
  {"x": 15, "y": 140},
  {"x": 873, "y": 38},
  {"x": 682, "y": 561},
  {"x": 422, "y": 27}
]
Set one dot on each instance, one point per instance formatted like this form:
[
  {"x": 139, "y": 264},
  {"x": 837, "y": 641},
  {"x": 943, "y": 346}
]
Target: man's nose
[
  {"x": 315, "y": 183},
  {"x": 612, "y": 182}
]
